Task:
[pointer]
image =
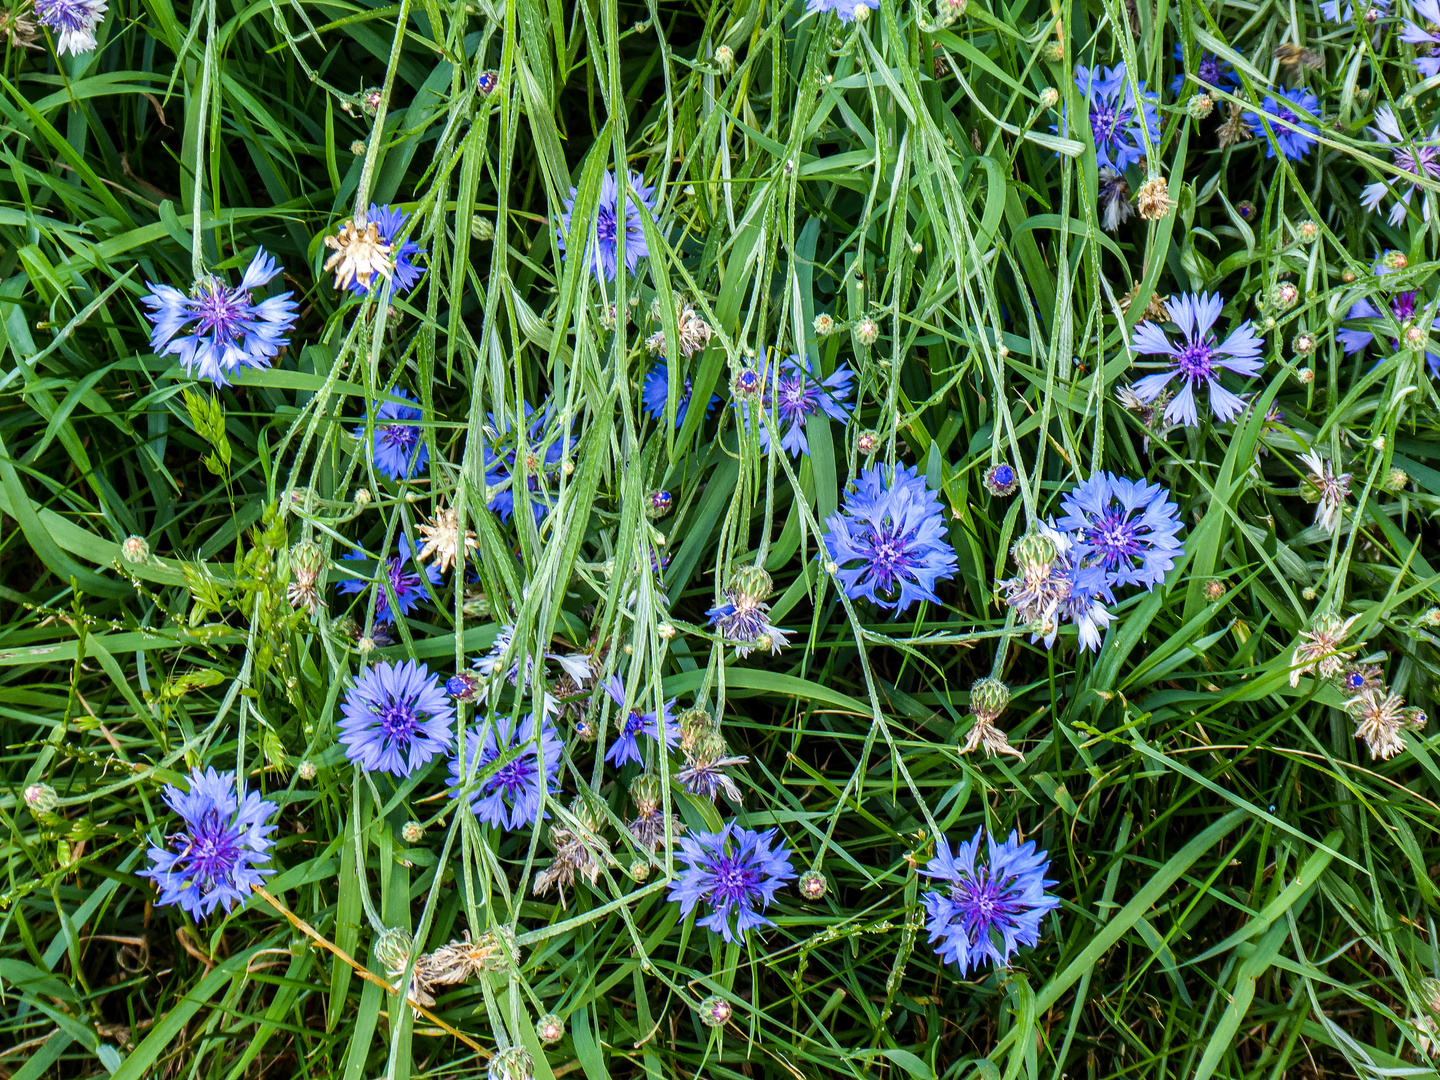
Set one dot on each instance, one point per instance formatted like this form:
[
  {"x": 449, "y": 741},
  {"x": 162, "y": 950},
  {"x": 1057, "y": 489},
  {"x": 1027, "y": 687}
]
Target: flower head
[
  {"x": 1058, "y": 589},
  {"x": 1426, "y": 39},
  {"x": 360, "y": 254},
  {"x": 796, "y": 394},
  {"x": 1126, "y": 527},
  {"x": 1209, "y": 69},
  {"x": 442, "y": 540},
  {"x": 990, "y": 908},
  {"x": 579, "y": 851},
  {"x": 1119, "y": 116},
  {"x": 408, "y": 583},
  {"x": 396, "y": 718},
  {"x": 1116, "y": 206},
  {"x": 655, "y": 395},
  {"x": 227, "y": 330},
  {"x": 1403, "y": 306},
  {"x": 734, "y": 870},
  {"x": 400, "y": 450},
  {"x": 844, "y": 9},
  {"x": 1001, "y": 481},
  {"x": 1359, "y": 677},
  {"x": 625, "y": 747},
  {"x": 1296, "y": 139},
  {"x": 213, "y": 860},
  {"x": 692, "y": 332},
  {"x": 1326, "y": 489},
  {"x": 1379, "y": 719},
  {"x": 1198, "y": 359},
  {"x": 543, "y": 455},
  {"x": 615, "y": 225},
  {"x": 706, "y": 759},
  {"x": 389, "y": 221},
  {"x": 889, "y": 540},
  {"x": 1416, "y": 158},
  {"x": 744, "y": 617},
  {"x": 1319, "y": 651},
  {"x": 74, "y": 22},
  {"x": 508, "y": 796}
]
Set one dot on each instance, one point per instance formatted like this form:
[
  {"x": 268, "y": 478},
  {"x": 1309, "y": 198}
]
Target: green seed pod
[
  {"x": 989, "y": 698},
  {"x": 392, "y": 949}
]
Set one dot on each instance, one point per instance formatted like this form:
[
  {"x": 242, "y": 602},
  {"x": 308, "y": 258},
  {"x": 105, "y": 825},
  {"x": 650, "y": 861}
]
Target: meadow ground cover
[{"x": 787, "y": 538}]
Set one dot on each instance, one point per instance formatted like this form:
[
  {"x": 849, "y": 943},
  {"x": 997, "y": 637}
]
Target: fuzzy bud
[
  {"x": 1348, "y": 276},
  {"x": 1053, "y": 53},
  {"x": 1214, "y": 590},
  {"x": 411, "y": 832},
  {"x": 725, "y": 57},
  {"x": 1284, "y": 294},
  {"x": 514, "y": 1063},
  {"x": 1001, "y": 481},
  {"x": 40, "y": 798},
  {"x": 824, "y": 324},
  {"x": 948, "y": 11},
  {"x": 1306, "y": 376},
  {"x": 1307, "y": 231},
  {"x": 639, "y": 871},
  {"x": 481, "y": 228},
  {"x": 751, "y": 585},
  {"x": 813, "y": 885},
  {"x": 1414, "y": 717},
  {"x": 392, "y": 949},
  {"x": 866, "y": 330},
  {"x": 363, "y": 498},
  {"x": 135, "y": 549},
  {"x": 1246, "y": 209},
  {"x": 745, "y": 385},
  {"x": 1049, "y": 97},
  {"x": 1199, "y": 106},
  {"x": 1415, "y": 335},
  {"x": 307, "y": 770},
  {"x": 1034, "y": 554},
  {"x": 1303, "y": 345},
  {"x": 1397, "y": 480},
  {"x": 715, "y": 1011},
  {"x": 867, "y": 442},
  {"x": 989, "y": 698},
  {"x": 862, "y": 15},
  {"x": 357, "y": 148},
  {"x": 1394, "y": 260},
  {"x": 550, "y": 1029}
]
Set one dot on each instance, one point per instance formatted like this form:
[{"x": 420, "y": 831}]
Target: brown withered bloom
[
  {"x": 578, "y": 852},
  {"x": 19, "y": 29},
  {"x": 1291, "y": 56},
  {"x": 442, "y": 539},
  {"x": 693, "y": 332},
  {"x": 1319, "y": 650},
  {"x": 1379, "y": 718},
  {"x": 1235, "y": 129},
  {"x": 359, "y": 253},
  {"x": 648, "y": 828},
  {"x": 1153, "y": 199},
  {"x": 1155, "y": 309},
  {"x": 705, "y": 764}
]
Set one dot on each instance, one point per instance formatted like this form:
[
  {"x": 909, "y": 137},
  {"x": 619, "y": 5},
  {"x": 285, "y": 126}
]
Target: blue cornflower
[
  {"x": 844, "y": 9},
  {"x": 1118, "y": 118},
  {"x": 655, "y": 394},
  {"x": 1057, "y": 590},
  {"x": 500, "y": 462},
  {"x": 989, "y": 910},
  {"x": 732, "y": 870},
  {"x": 216, "y": 854},
  {"x": 1294, "y": 144},
  {"x": 1417, "y": 157},
  {"x": 228, "y": 330},
  {"x": 1198, "y": 361},
  {"x": 625, "y": 747},
  {"x": 895, "y": 532},
  {"x": 73, "y": 21},
  {"x": 396, "y": 718},
  {"x": 1210, "y": 70},
  {"x": 400, "y": 450},
  {"x": 1125, "y": 527},
  {"x": 509, "y": 797},
  {"x": 1427, "y": 41},
  {"x": 745, "y": 619},
  {"x": 1402, "y": 306},
  {"x": 798, "y": 395},
  {"x": 611, "y": 223},
  {"x": 389, "y": 221},
  {"x": 409, "y": 584},
  {"x": 1331, "y": 10}
]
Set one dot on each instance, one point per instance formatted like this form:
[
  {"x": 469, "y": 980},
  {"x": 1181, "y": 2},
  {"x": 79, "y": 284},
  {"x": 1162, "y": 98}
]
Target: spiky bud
[
  {"x": 639, "y": 871},
  {"x": 41, "y": 798},
  {"x": 1304, "y": 344},
  {"x": 715, "y": 1011},
  {"x": 725, "y": 57},
  {"x": 1034, "y": 554},
  {"x": 550, "y": 1029},
  {"x": 867, "y": 442},
  {"x": 751, "y": 585},
  {"x": 363, "y": 498},
  {"x": 1307, "y": 231},
  {"x": 813, "y": 885},
  {"x": 392, "y": 949},
  {"x": 1049, "y": 97},
  {"x": 824, "y": 324},
  {"x": 745, "y": 385},
  {"x": 867, "y": 331},
  {"x": 1001, "y": 481},
  {"x": 482, "y": 229},
  {"x": 1394, "y": 260},
  {"x": 1284, "y": 294},
  {"x": 1306, "y": 376},
  {"x": 1053, "y": 53},
  {"x": 989, "y": 698},
  {"x": 1414, "y": 717},
  {"x": 463, "y": 686},
  {"x": 134, "y": 549},
  {"x": 1199, "y": 106},
  {"x": 306, "y": 770},
  {"x": 1215, "y": 589},
  {"x": 514, "y": 1063},
  {"x": 695, "y": 723},
  {"x": 1397, "y": 480},
  {"x": 411, "y": 832}
]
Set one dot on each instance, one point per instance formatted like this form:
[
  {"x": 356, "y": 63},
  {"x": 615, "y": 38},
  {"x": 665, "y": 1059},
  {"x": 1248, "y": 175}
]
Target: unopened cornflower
[
  {"x": 1327, "y": 489},
  {"x": 214, "y": 861},
  {"x": 41, "y": 798},
  {"x": 1114, "y": 199},
  {"x": 735, "y": 870},
  {"x": 988, "y": 908},
  {"x": 1199, "y": 359},
  {"x": 306, "y": 562},
  {"x": 396, "y": 718},
  {"x": 824, "y": 324},
  {"x": 1001, "y": 481},
  {"x": 218, "y": 330},
  {"x": 846, "y": 11},
  {"x": 715, "y": 1011},
  {"x": 617, "y": 234},
  {"x": 1319, "y": 652},
  {"x": 73, "y": 21},
  {"x": 889, "y": 540},
  {"x": 1379, "y": 719},
  {"x": 443, "y": 541},
  {"x": 399, "y": 446},
  {"x": 655, "y": 395},
  {"x": 1295, "y": 136}
]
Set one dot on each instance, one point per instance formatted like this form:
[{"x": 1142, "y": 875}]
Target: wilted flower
[
  {"x": 1056, "y": 588},
  {"x": 1295, "y": 136},
  {"x": 706, "y": 760},
  {"x": 1114, "y": 199},
  {"x": 1236, "y": 128},
  {"x": 655, "y": 395},
  {"x": 442, "y": 540},
  {"x": 743, "y": 617},
  {"x": 989, "y": 909},
  {"x": 1126, "y": 527},
  {"x": 889, "y": 540},
  {"x": 693, "y": 332},
  {"x": 650, "y": 822},
  {"x": 1418, "y": 159},
  {"x": 1379, "y": 718},
  {"x": 617, "y": 222},
  {"x": 216, "y": 856},
  {"x": 1199, "y": 359},
  {"x": 732, "y": 870},
  {"x": 396, "y": 718},
  {"x": 400, "y": 450},
  {"x": 1324, "y": 488},
  {"x": 1153, "y": 199},
  {"x": 578, "y": 852},
  {"x": 73, "y": 21},
  {"x": 1319, "y": 651},
  {"x": 227, "y": 330},
  {"x": 19, "y": 29}
]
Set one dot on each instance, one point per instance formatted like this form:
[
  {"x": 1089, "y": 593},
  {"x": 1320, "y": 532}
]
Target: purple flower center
[
  {"x": 400, "y": 436},
  {"x": 1108, "y": 119},
  {"x": 221, "y": 312},
  {"x": 985, "y": 901},
  {"x": 1403, "y": 306},
  {"x": 732, "y": 882},
  {"x": 211, "y": 850},
  {"x": 64, "y": 14},
  {"x": 1210, "y": 70},
  {"x": 401, "y": 580},
  {"x": 1422, "y": 160},
  {"x": 890, "y": 555},
  {"x": 605, "y": 226},
  {"x": 399, "y": 722},
  {"x": 798, "y": 398},
  {"x": 1116, "y": 538},
  {"x": 514, "y": 778},
  {"x": 634, "y": 724},
  {"x": 1194, "y": 360}
]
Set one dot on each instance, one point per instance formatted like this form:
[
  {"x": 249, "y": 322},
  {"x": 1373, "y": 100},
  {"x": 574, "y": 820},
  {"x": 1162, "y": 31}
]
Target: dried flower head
[
  {"x": 1153, "y": 199},
  {"x": 579, "y": 851},
  {"x": 442, "y": 539},
  {"x": 1379, "y": 718},
  {"x": 1235, "y": 129},
  {"x": 692, "y": 332},
  {"x": 1319, "y": 651},
  {"x": 1327, "y": 489},
  {"x": 360, "y": 254}
]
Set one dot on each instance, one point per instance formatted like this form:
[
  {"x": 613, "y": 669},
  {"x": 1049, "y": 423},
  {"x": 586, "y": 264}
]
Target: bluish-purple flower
[
  {"x": 844, "y": 9},
  {"x": 796, "y": 395},
  {"x": 1425, "y": 40},
  {"x": 546, "y": 448},
  {"x": 1048, "y": 593},
  {"x": 1209, "y": 69},
  {"x": 614, "y": 226},
  {"x": 73, "y": 22},
  {"x": 989, "y": 908},
  {"x": 889, "y": 540},
  {"x": 400, "y": 450},
  {"x": 1198, "y": 360},
  {"x": 1293, "y": 143},
  {"x": 1403, "y": 307},
  {"x": 1331, "y": 10},
  {"x": 507, "y": 796},
  {"x": 1419, "y": 158},
  {"x": 407, "y": 581},
  {"x": 213, "y": 860},
  {"x": 655, "y": 394},
  {"x": 396, "y": 718},
  {"x": 389, "y": 221},
  {"x": 734, "y": 870},
  {"x": 1119, "y": 119},
  {"x": 1125, "y": 527},
  {"x": 633, "y": 723},
  {"x": 218, "y": 330}
]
